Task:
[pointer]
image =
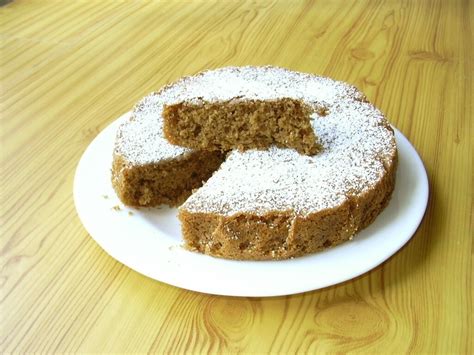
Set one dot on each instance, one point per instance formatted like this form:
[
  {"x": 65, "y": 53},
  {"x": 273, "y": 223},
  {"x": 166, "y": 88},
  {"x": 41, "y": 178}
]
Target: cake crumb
[
  {"x": 105, "y": 197},
  {"x": 116, "y": 208},
  {"x": 130, "y": 213}
]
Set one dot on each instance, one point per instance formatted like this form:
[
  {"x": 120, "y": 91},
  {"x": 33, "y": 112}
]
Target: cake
[{"x": 274, "y": 203}]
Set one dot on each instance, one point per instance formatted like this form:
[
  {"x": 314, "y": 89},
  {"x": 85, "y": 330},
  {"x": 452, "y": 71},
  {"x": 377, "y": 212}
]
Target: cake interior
[
  {"x": 241, "y": 124},
  {"x": 167, "y": 182}
]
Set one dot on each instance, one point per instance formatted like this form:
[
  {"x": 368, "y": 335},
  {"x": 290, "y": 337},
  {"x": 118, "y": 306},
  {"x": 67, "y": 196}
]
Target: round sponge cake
[{"x": 277, "y": 203}]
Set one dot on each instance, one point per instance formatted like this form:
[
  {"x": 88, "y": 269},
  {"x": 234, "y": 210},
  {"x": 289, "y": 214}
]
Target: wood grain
[{"x": 70, "y": 68}]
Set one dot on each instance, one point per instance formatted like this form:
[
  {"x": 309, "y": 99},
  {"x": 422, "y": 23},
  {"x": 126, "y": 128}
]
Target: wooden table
[{"x": 70, "y": 68}]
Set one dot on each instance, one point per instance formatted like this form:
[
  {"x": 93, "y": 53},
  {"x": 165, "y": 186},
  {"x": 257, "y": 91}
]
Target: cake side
[{"x": 275, "y": 235}]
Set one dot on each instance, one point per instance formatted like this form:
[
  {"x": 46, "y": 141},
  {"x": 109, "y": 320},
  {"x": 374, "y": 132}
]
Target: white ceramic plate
[{"x": 149, "y": 240}]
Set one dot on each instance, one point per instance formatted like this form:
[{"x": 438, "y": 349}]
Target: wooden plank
[{"x": 70, "y": 68}]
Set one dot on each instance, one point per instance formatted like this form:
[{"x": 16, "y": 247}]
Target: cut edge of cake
[
  {"x": 170, "y": 181},
  {"x": 241, "y": 123}
]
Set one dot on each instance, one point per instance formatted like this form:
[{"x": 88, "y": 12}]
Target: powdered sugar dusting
[
  {"x": 140, "y": 140},
  {"x": 259, "y": 83},
  {"x": 355, "y": 137}
]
